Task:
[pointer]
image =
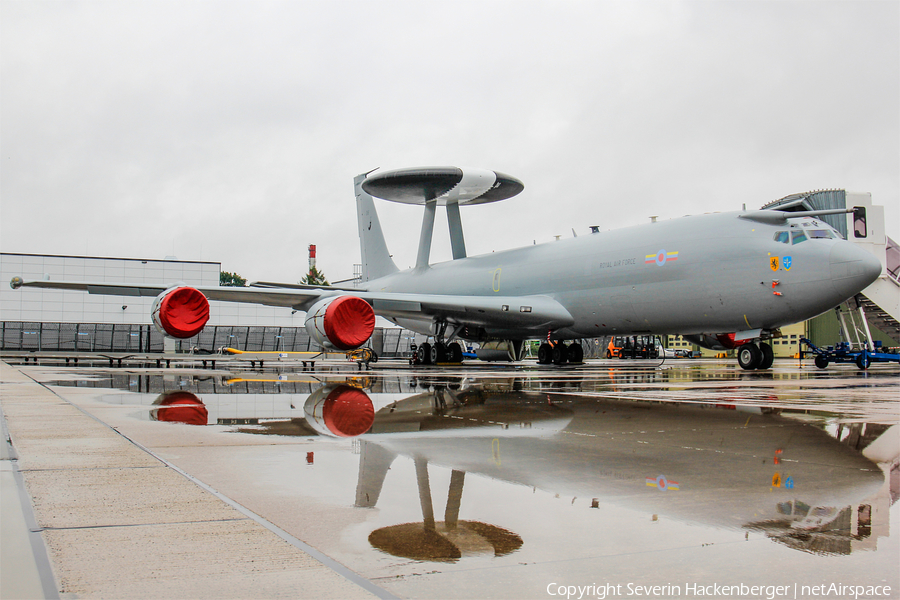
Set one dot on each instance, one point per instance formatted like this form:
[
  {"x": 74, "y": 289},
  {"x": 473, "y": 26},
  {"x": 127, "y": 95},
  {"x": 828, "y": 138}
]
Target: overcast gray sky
[{"x": 231, "y": 131}]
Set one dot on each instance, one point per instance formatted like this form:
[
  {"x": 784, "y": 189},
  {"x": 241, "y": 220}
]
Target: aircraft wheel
[
  {"x": 454, "y": 352},
  {"x": 545, "y": 354},
  {"x": 749, "y": 357},
  {"x": 863, "y": 361},
  {"x": 559, "y": 354},
  {"x": 438, "y": 353},
  {"x": 768, "y": 356},
  {"x": 821, "y": 361},
  {"x": 576, "y": 353},
  {"x": 424, "y": 354}
]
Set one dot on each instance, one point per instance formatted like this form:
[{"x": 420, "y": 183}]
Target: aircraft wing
[
  {"x": 529, "y": 312},
  {"x": 514, "y": 312},
  {"x": 270, "y": 297}
]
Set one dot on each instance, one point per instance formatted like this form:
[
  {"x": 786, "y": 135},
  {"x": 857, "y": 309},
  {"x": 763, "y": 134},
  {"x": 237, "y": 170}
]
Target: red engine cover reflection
[
  {"x": 182, "y": 407},
  {"x": 348, "y": 411}
]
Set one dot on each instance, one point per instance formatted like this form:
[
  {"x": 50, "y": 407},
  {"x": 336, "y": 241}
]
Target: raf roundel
[{"x": 660, "y": 258}]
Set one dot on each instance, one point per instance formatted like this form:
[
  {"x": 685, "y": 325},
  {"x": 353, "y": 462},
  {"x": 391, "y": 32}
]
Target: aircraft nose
[{"x": 852, "y": 268}]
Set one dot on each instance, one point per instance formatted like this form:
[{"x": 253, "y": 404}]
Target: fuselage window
[
  {"x": 819, "y": 234},
  {"x": 783, "y": 237},
  {"x": 797, "y": 237}
]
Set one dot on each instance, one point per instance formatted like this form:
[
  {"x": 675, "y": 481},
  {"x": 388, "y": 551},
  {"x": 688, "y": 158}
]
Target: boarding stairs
[{"x": 878, "y": 304}]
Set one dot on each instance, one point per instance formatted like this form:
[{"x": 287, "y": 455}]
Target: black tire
[
  {"x": 373, "y": 357},
  {"x": 768, "y": 356},
  {"x": 545, "y": 354},
  {"x": 559, "y": 354},
  {"x": 454, "y": 352},
  {"x": 863, "y": 360},
  {"x": 609, "y": 354},
  {"x": 576, "y": 353},
  {"x": 424, "y": 354},
  {"x": 821, "y": 361},
  {"x": 438, "y": 353},
  {"x": 749, "y": 357}
]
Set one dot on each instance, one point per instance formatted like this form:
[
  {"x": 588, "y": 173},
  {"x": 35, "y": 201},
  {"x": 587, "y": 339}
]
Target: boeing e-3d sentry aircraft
[{"x": 726, "y": 280}]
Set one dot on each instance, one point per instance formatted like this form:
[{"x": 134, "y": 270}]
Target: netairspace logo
[{"x": 715, "y": 590}]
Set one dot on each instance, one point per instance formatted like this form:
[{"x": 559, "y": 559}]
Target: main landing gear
[
  {"x": 432, "y": 354},
  {"x": 559, "y": 353},
  {"x": 440, "y": 351},
  {"x": 754, "y": 357}
]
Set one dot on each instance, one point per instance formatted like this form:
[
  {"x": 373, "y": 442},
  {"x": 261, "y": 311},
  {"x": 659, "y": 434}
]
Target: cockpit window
[
  {"x": 782, "y": 237},
  {"x": 819, "y": 234},
  {"x": 860, "y": 229},
  {"x": 797, "y": 237}
]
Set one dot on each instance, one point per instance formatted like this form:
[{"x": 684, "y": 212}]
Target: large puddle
[{"x": 511, "y": 484}]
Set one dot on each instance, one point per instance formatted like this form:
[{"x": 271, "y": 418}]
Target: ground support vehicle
[
  {"x": 635, "y": 346},
  {"x": 842, "y": 353}
]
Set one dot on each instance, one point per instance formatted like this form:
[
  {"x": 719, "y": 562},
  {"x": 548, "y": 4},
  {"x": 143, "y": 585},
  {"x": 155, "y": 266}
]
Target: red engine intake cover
[
  {"x": 348, "y": 412},
  {"x": 349, "y": 322},
  {"x": 183, "y": 312}
]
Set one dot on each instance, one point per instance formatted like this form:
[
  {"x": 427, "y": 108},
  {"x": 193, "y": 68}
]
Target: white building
[{"x": 48, "y": 306}]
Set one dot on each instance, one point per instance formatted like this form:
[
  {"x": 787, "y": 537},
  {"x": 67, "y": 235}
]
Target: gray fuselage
[{"x": 710, "y": 273}]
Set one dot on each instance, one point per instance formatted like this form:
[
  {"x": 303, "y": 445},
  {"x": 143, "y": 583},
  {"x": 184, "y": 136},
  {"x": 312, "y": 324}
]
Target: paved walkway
[{"x": 116, "y": 522}]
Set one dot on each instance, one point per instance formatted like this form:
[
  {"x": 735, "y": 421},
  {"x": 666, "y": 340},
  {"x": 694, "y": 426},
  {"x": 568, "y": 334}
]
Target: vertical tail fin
[{"x": 376, "y": 260}]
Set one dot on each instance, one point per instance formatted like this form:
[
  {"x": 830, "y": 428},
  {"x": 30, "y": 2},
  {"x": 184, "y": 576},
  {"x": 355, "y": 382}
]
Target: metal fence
[
  {"x": 110, "y": 337},
  {"x": 79, "y": 337}
]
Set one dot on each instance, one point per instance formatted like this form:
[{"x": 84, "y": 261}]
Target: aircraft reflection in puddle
[
  {"x": 786, "y": 477},
  {"x": 180, "y": 407}
]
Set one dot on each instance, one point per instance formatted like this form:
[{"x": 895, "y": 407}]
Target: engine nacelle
[
  {"x": 339, "y": 411},
  {"x": 180, "y": 312},
  {"x": 340, "y": 322}
]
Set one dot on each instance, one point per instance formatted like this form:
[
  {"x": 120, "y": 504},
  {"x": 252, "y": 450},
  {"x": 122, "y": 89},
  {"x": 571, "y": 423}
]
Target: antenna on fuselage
[{"x": 445, "y": 186}]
